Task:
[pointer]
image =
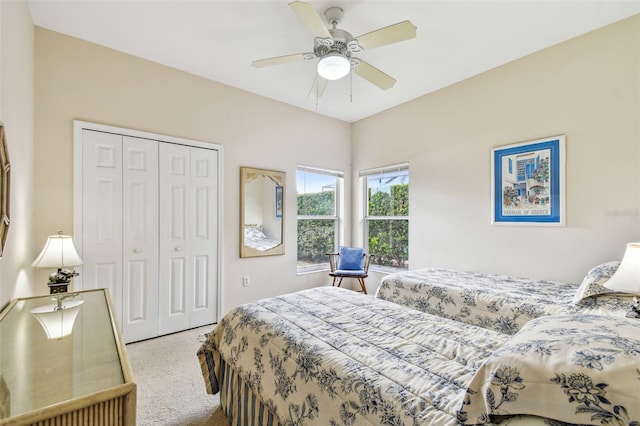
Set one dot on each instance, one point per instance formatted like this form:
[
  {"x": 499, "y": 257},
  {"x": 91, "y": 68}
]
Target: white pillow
[
  {"x": 252, "y": 232},
  {"x": 582, "y": 369},
  {"x": 593, "y": 282}
]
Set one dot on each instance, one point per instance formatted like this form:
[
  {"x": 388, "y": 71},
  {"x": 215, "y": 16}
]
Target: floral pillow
[
  {"x": 593, "y": 282},
  {"x": 582, "y": 369}
]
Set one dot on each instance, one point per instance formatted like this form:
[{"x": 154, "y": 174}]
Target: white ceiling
[{"x": 219, "y": 39}]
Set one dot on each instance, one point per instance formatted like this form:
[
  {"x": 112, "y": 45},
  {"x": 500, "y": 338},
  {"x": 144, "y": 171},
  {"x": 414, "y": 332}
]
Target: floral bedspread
[
  {"x": 497, "y": 302},
  {"x": 574, "y": 368},
  {"x": 332, "y": 356}
]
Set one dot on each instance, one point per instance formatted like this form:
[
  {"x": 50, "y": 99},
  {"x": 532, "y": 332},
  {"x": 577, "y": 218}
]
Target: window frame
[
  {"x": 337, "y": 217},
  {"x": 364, "y": 175}
]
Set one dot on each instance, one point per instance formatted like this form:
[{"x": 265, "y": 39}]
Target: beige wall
[
  {"x": 79, "y": 80},
  {"x": 16, "y": 112},
  {"x": 588, "y": 89}
]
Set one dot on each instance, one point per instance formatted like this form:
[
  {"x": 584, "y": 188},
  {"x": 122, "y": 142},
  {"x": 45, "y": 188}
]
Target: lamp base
[
  {"x": 58, "y": 281},
  {"x": 55, "y": 288}
]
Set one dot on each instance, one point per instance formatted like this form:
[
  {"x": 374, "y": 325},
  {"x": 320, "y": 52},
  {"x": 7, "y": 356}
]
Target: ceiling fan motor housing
[{"x": 343, "y": 43}]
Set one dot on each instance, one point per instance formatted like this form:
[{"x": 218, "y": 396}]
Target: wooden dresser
[{"x": 82, "y": 379}]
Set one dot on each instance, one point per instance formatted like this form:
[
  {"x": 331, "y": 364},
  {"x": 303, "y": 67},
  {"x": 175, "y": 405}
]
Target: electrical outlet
[{"x": 245, "y": 282}]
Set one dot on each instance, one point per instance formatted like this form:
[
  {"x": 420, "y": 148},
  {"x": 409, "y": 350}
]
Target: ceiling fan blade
[
  {"x": 374, "y": 75},
  {"x": 310, "y": 18},
  {"x": 278, "y": 60},
  {"x": 318, "y": 87},
  {"x": 404, "y": 30}
]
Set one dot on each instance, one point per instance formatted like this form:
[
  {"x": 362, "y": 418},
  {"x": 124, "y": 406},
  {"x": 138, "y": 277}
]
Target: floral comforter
[
  {"x": 331, "y": 356},
  {"x": 573, "y": 368},
  {"x": 497, "y": 302}
]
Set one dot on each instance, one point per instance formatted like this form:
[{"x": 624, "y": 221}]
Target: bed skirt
[{"x": 239, "y": 403}]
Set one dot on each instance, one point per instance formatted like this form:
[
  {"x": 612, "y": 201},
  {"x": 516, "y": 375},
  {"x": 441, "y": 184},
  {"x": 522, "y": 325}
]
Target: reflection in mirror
[{"x": 261, "y": 212}]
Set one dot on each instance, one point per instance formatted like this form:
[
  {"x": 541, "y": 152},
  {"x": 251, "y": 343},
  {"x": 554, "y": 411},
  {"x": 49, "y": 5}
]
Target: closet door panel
[
  {"x": 176, "y": 274},
  {"x": 177, "y": 205},
  {"x": 102, "y": 214},
  {"x": 104, "y": 274},
  {"x": 204, "y": 242},
  {"x": 136, "y": 306},
  {"x": 107, "y": 194},
  {"x": 201, "y": 281},
  {"x": 177, "y": 286},
  {"x": 140, "y": 238}
]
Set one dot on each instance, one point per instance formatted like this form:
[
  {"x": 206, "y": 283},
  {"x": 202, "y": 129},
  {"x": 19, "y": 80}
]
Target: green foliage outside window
[
  {"x": 315, "y": 239},
  {"x": 393, "y": 203},
  {"x": 316, "y": 236},
  {"x": 389, "y": 238},
  {"x": 317, "y": 204}
]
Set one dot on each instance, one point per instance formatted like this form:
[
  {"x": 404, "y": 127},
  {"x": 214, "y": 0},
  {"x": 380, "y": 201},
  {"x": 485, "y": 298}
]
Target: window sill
[
  {"x": 386, "y": 269},
  {"x": 305, "y": 270}
]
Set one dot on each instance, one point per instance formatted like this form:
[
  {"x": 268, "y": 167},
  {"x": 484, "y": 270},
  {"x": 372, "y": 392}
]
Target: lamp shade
[
  {"x": 58, "y": 252},
  {"x": 334, "y": 66},
  {"x": 58, "y": 322},
  {"x": 627, "y": 278}
]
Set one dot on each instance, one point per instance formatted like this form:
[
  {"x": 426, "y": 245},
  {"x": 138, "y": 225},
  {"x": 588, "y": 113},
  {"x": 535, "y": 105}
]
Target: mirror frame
[
  {"x": 247, "y": 174},
  {"x": 5, "y": 185}
]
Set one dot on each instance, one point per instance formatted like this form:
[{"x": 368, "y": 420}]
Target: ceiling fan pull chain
[
  {"x": 351, "y": 86},
  {"x": 317, "y": 94}
]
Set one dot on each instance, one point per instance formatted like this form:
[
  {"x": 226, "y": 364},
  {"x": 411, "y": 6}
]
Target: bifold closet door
[
  {"x": 120, "y": 227},
  {"x": 188, "y": 237},
  {"x": 139, "y": 239},
  {"x": 102, "y": 214}
]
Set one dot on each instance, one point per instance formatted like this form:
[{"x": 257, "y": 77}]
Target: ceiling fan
[{"x": 335, "y": 48}]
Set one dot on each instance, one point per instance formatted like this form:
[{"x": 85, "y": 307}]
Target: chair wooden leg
[
  {"x": 333, "y": 283},
  {"x": 340, "y": 282},
  {"x": 364, "y": 287}
]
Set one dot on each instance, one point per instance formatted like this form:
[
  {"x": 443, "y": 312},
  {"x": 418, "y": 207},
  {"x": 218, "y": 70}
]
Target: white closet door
[
  {"x": 188, "y": 237},
  {"x": 140, "y": 239},
  {"x": 148, "y": 225},
  {"x": 102, "y": 214},
  {"x": 204, "y": 242},
  {"x": 175, "y": 235}
]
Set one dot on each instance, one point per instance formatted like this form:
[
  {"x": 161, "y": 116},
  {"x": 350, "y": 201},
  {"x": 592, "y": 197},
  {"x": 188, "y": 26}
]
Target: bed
[
  {"x": 331, "y": 356},
  {"x": 255, "y": 238},
  {"x": 499, "y": 302}
]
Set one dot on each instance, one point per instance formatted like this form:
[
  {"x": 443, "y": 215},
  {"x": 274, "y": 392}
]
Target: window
[
  {"x": 527, "y": 167},
  {"x": 386, "y": 217},
  {"x": 319, "y": 216}
]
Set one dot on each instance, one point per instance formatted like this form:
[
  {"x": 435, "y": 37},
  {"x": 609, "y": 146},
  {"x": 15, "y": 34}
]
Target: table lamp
[
  {"x": 57, "y": 320},
  {"x": 58, "y": 252},
  {"x": 627, "y": 278}
]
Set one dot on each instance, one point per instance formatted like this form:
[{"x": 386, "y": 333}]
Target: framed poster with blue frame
[{"x": 528, "y": 183}]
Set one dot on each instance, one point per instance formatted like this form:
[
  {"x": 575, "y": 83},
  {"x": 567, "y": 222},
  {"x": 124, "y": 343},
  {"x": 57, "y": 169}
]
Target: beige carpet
[{"x": 171, "y": 390}]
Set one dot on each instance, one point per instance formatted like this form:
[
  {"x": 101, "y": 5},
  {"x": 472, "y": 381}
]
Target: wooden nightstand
[{"x": 82, "y": 379}]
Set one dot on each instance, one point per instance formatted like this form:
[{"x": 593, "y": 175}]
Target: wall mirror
[
  {"x": 262, "y": 195},
  {"x": 4, "y": 190}
]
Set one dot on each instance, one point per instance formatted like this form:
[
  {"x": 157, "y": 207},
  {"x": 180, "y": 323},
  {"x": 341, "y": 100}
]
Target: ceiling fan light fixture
[{"x": 334, "y": 66}]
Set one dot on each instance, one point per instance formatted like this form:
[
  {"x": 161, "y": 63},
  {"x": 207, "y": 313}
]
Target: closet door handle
[
  {"x": 137, "y": 250},
  {"x": 178, "y": 249}
]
